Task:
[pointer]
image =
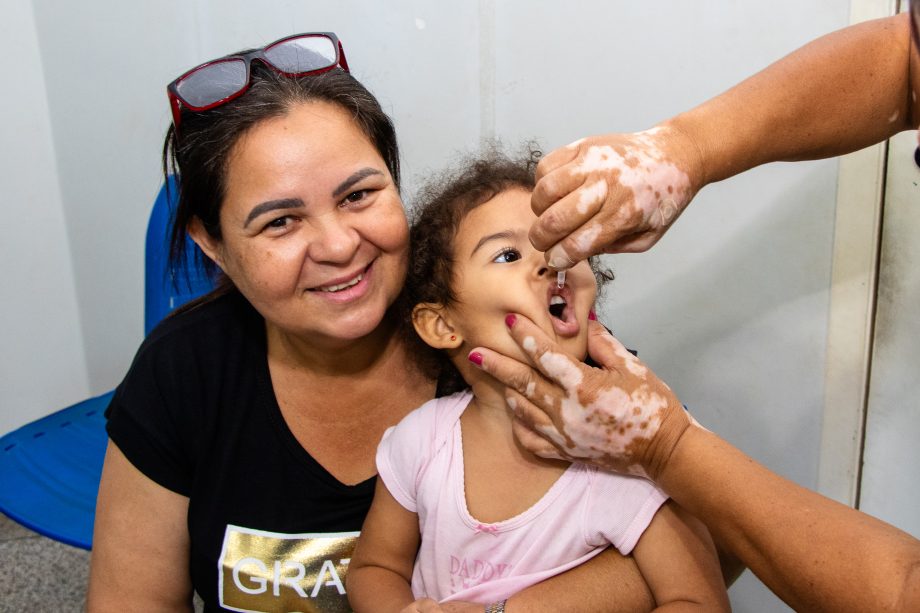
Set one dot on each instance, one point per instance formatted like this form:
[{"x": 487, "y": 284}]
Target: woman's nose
[{"x": 335, "y": 240}]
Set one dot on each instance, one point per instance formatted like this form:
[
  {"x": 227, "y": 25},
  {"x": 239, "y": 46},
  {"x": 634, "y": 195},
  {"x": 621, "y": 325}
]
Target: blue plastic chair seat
[{"x": 50, "y": 469}]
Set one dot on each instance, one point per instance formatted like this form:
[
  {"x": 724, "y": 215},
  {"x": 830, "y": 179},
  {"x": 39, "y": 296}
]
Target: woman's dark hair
[
  {"x": 199, "y": 152},
  {"x": 441, "y": 205}
]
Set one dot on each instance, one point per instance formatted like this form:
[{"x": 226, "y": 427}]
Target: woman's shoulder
[{"x": 218, "y": 315}]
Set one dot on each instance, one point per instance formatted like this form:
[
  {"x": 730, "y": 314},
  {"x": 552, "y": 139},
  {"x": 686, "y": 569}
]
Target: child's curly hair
[{"x": 440, "y": 207}]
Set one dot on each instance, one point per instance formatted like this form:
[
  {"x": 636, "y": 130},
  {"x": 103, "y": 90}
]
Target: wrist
[
  {"x": 684, "y": 139},
  {"x": 676, "y": 423}
]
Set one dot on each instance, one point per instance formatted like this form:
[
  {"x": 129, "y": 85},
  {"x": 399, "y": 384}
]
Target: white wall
[
  {"x": 730, "y": 308},
  {"x": 42, "y": 364}
]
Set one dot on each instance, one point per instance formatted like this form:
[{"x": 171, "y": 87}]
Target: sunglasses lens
[
  {"x": 304, "y": 54},
  {"x": 213, "y": 83}
]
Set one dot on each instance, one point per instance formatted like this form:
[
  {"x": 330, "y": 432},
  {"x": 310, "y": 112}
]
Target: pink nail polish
[
  {"x": 592, "y": 315},
  {"x": 510, "y": 320},
  {"x": 475, "y": 357}
]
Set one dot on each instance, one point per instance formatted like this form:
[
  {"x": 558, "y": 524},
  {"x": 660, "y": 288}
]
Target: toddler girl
[{"x": 462, "y": 512}]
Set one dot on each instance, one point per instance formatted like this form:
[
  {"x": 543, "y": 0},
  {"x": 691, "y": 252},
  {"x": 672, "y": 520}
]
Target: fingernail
[
  {"x": 510, "y": 320},
  {"x": 475, "y": 357},
  {"x": 559, "y": 259},
  {"x": 592, "y": 315}
]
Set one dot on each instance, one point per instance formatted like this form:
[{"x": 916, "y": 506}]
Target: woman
[
  {"x": 241, "y": 459},
  {"x": 837, "y": 94}
]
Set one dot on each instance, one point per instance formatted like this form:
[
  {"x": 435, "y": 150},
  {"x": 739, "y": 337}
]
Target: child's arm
[
  {"x": 678, "y": 560},
  {"x": 380, "y": 570}
]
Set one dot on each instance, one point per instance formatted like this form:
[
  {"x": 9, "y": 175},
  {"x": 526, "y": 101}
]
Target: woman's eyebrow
[
  {"x": 345, "y": 185},
  {"x": 272, "y": 205},
  {"x": 507, "y": 234}
]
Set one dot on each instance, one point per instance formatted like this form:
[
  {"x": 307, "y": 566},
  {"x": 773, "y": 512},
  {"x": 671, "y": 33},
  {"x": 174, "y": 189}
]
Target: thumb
[
  {"x": 604, "y": 348},
  {"x": 558, "y": 258}
]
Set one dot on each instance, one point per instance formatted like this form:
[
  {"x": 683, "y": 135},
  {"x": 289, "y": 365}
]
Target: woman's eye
[
  {"x": 357, "y": 196},
  {"x": 508, "y": 255},
  {"x": 280, "y": 225}
]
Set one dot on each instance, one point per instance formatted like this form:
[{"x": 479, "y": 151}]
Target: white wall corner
[{"x": 857, "y": 236}]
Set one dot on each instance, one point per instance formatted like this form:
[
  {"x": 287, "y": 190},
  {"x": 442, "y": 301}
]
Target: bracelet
[{"x": 496, "y": 607}]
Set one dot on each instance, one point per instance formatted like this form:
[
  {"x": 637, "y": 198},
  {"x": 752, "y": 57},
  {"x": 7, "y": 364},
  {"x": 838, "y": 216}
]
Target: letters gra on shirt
[{"x": 261, "y": 571}]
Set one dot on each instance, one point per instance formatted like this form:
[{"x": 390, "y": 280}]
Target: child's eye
[{"x": 507, "y": 255}]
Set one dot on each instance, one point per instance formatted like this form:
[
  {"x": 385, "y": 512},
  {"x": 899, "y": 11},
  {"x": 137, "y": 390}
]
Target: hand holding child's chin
[{"x": 619, "y": 416}]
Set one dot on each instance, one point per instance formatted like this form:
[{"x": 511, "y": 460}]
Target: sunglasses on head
[{"x": 219, "y": 81}]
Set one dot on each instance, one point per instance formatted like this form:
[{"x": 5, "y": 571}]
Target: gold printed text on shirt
[{"x": 269, "y": 572}]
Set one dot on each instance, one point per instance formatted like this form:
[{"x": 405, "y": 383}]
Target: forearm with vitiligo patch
[{"x": 842, "y": 92}]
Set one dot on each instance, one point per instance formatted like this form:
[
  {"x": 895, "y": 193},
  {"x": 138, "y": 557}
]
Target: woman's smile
[{"x": 346, "y": 288}]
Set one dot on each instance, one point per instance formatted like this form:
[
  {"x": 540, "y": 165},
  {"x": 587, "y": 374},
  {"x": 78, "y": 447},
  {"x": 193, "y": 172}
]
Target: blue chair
[{"x": 50, "y": 468}]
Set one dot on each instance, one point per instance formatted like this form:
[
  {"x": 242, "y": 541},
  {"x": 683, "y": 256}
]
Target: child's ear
[{"x": 432, "y": 323}]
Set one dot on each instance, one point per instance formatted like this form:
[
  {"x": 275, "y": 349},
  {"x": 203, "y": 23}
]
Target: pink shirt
[{"x": 421, "y": 463}]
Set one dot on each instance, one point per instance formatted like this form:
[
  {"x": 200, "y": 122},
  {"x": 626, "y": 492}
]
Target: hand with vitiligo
[
  {"x": 614, "y": 193},
  {"x": 619, "y": 416}
]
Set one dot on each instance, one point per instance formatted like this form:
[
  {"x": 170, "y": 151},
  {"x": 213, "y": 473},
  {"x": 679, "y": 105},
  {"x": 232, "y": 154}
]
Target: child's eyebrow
[{"x": 507, "y": 234}]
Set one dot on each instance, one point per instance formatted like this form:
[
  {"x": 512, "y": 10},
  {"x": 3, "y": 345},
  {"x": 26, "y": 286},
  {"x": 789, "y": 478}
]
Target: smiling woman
[
  {"x": 320, "y": 255},
  {"x": 242, "y": 439}
]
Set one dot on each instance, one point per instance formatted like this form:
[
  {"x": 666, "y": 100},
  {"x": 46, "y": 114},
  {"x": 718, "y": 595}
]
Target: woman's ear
[
  {"x": 207, "y": 243},
  {"x": 432, "y": 323}
]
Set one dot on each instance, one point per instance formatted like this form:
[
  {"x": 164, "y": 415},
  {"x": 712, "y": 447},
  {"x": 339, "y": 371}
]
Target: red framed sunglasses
[{"x": 219, "y": 81}]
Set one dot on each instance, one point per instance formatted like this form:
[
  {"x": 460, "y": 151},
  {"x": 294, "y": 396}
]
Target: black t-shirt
[{"x": 270, "y": 529}]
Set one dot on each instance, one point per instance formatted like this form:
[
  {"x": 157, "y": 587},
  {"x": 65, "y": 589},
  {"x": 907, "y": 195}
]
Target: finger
[
  {"x": 518, "y": 376},
  {"x": 605, "y": 349},
  {"x": 534, "y": 443},
  {"x": 529, "y": 413},
  {"x": 554, "y": 363},
  {"x": 554, "y": 186},
  {"x": 581, "y": 244},
  {"x": 558, "y": 258},
  {"x": 535, "y": 422},
  {"x": 637, "y": 242},
  {"x": 509, "y": 372},
  {"x": 569, "y": 213},
  {"x": 558, "y": 157}
]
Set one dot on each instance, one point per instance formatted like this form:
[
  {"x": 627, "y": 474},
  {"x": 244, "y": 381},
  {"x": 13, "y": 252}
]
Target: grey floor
[{"x": 38, "y": 574}]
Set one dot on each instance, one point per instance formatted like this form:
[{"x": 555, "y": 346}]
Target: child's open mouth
[{"x": 561, "y": 310}]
